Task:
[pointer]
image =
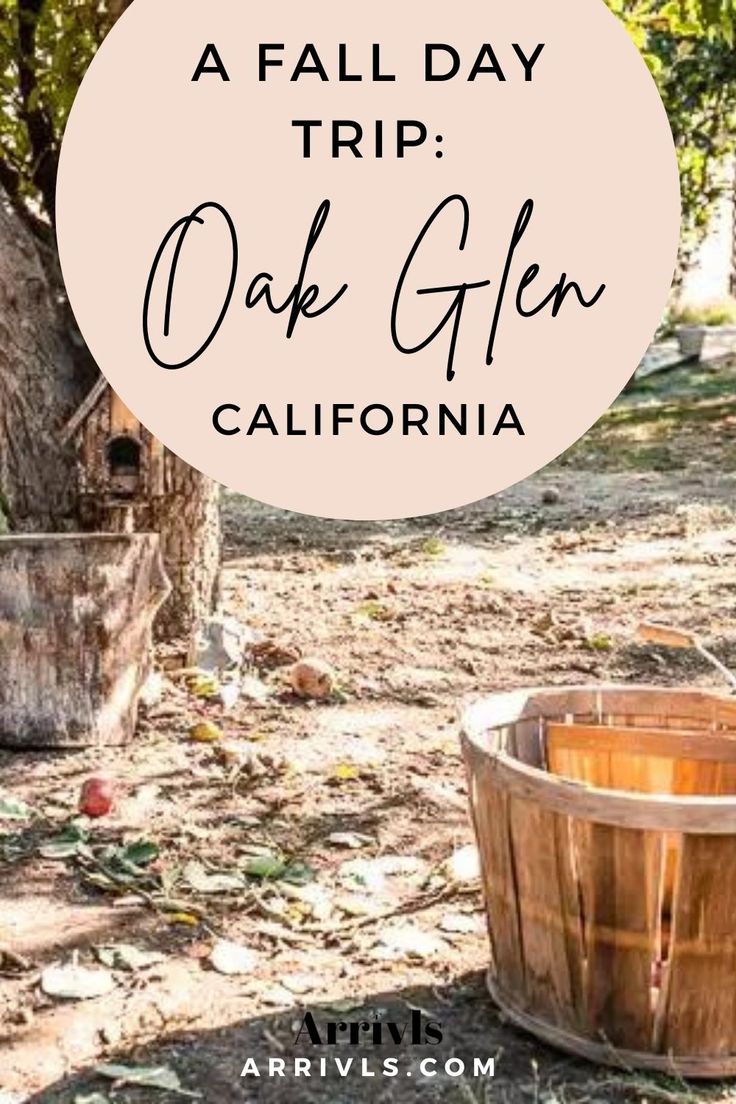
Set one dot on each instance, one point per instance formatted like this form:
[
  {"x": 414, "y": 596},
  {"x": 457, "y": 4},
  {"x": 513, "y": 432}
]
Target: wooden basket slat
[
  {"x": 549, "y": 912},
  {"x": 529, "y": 737},
  {"x": 640, "y": 774},
  {"x": 491, "y": 819},
  {"x": 621, "y": 874},
  {"x": 697, "y": 776},
  {"x": 728, "y": 778},
  {"x": 643, "y": 760},
  {"x": 657, "y": 741},
  {"x": 701, "y": 993}
]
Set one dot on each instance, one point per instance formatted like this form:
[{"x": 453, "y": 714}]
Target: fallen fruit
[
  {"x": 97, "y": 796},
  {"x": 313, "y": 678},
  {"x": 205, "y": 733}
]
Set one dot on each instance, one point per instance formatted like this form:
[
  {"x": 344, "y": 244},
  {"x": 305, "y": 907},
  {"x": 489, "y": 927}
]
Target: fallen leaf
[
  {"x": 68, "y": 843},
  {"x": 352, "y": 840},
  {"x": 74, "y": 982},
  {"x": 314, "y": 900},
  {"x": 459, "y": 923},
  {"x": 13, "y": 809},
  {"x": 152, "y": 1077},
  {"x": 187, "y": 918},
  {"x": 124, "y": 956},
  {"x": 373, "y": 610},
  {"x": 205, "y": 733},
  {"x": 277, "y": 996},
  {"x": 346, "y": 772},
  {"x": 86, "y": 1098},
  {"x": 363, "y": 873},
  {"x": 203, "y": 686},
  {"x": 434, "y": 546},
  {"x": 202, "y": 881},
  {"x": 254, "y": 690},
  {"x": 298, "y": 873},
  {"x": 371, "y": 874},
  {"x": 269, "y": 654},
  {"x": 408, "y": 941},
  {"x": 353, "y": 905},
  {"x": 228, "y": 695},
  {"x": 265, "y": 866},
  {"x": 232, "y": 958},
  {"x": 600, "y": 642},
  {"x": 139, "y": 853},
  {"x": 298, "y": 983},
  {"x": 101, "y": 881}
]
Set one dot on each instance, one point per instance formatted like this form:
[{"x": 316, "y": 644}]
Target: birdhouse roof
[{"x": 83, "y": 412}]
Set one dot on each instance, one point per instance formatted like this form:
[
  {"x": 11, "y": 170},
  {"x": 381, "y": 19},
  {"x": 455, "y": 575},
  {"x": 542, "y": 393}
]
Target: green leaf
[
  {"x": 13, "y": 809},
  {"x": 140, "y": 853},
  {"x": 298, "y": 873},
  {"x": 70, "y": 842},
  {"x": 265, "y": 866}
]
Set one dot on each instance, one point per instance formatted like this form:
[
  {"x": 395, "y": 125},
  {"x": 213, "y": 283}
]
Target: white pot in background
[{"x": 691, "y": 340}]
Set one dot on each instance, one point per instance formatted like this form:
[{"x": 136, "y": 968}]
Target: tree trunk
[
  {"x": 75, "y": 634},
  {"x": 732, "y": 283},
  {"x": 43, "y": 380},
  {"x": 187, "y": 518},
  {"x": 40, "y": 387}
]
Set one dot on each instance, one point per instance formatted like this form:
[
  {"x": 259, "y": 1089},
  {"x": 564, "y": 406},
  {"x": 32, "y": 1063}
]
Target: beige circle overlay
[{"x": 586, "y": 139}]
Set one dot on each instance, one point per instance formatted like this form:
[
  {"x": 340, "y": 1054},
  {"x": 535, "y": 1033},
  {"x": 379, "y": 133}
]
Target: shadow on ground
[{"x": 209, "y": 1063}]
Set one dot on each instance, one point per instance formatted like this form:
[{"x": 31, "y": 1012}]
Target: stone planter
[{"x": 76, "y": 612}]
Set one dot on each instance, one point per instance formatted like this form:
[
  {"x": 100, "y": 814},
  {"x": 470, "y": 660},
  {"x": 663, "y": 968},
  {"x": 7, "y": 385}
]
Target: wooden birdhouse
[
  {"x": 121, "y": 467},
  {"x": 128, "y": 482}
]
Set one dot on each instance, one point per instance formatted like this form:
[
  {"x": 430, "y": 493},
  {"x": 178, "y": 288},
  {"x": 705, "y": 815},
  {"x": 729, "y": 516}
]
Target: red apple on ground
[{"x": 97, "y": 796}]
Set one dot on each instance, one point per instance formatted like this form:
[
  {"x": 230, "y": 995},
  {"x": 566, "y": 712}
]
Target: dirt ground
[{"x": 356, "y": 805}]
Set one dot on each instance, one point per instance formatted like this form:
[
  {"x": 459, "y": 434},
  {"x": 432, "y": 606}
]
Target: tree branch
[
  {"x": 10, "y": 181},
  {"x": 38, "y": 123}
]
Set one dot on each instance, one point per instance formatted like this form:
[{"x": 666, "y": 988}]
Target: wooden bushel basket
[{"x": 606, "y": 823}]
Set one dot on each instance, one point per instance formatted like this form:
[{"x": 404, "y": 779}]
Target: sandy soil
[{"x": 543, "y": 584}]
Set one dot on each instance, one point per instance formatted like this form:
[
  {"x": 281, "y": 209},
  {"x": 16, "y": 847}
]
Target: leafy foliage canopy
[{"x": 47, "y": 45}]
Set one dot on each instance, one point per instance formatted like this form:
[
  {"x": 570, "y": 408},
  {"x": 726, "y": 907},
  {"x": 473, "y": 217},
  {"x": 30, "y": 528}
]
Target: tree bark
[
  {"x": 43, "y": 380},
  {"x": 75, "y": 635},
  {"x": 187, "y": 518},
  {"x": 40, "y": 386}
]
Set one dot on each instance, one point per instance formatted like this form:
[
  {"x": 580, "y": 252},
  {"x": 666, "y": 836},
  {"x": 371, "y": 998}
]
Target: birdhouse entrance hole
[{"x": 124, "y": 464}]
